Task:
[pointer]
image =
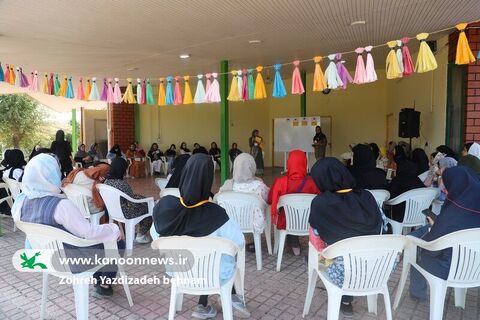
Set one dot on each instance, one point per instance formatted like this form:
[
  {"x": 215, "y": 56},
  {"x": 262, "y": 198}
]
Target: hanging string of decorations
[{"x": 243, "y": 86}]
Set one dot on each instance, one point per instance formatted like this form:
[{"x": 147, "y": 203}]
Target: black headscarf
[
  {"x": 448, "y": 151},
  {"x": 13, "y": 159},
  {"x": 375, "y": 150},
  {"x": 178, "y": 165},
  {"x": 470, "y": 161},
  {"x": 116, "y": 150},
  {"x": 6, "y": 157},
  {"x": 365, "y": 170},
  {"x": 337, "y": 216},
  {"x": 118, "y": 168},
  {"x": 419, "y": 157},
  {"x": 405, "y": 179},
  {"x": 60, "y": 136},
  {"x": 171, "y": 217}
]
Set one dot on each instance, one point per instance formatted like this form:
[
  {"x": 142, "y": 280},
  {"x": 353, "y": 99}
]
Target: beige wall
[
  {"x": 358, "y": 113},
  {"x": 89, "y": 117}
]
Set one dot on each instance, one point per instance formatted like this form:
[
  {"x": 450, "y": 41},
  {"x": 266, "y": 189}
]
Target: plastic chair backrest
[
  {"x": 14, "y": 186},
  {"x": 111, "y": 197},
  {"x": 74, "y": 194},
  {"x": 170, "y": 192},
  {"x": 417, "y": 200},
  {"x": 297, "y": 210},
  {"x": 240, "y": 207},
  {"x": 161, "y": 183},
  {"x": 205, "y": 266},
  {"x": 380, "y": 196},
  {"x": 368, "y": 260},
  {"x": 46, "y": 237}
]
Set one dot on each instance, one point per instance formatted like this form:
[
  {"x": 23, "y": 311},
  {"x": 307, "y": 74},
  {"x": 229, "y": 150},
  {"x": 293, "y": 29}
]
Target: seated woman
[
  {"x": 419, "y": 157},
  {"x": 197, "y": 148},
  {"x": 234, "y": 152},
  {"x": 155, "y": 157},
  {"x": 364, "y": 169},
  {"x": 177, "y": 167},
  {"x": 183, "y": 148},
  {"x": 460, "y": 211},
  {"x": 115, "y": 178},
  {"x": 447, "y": 151},
  {"x": 170, "y": 154},
  {"x": 215, "y": 152},
  {"x": 136, "y": 160},
  {"x": 14, "y": 161},
  {"x": 296, "y": 181},
  {"x": 244, "y": 180},
  {"x": 405, "y": 179},
  {"x": 83, "y": 156},
  {"x": 115, "y": 152},
  {"x": 95, "y": 152},
  {"x": 87, "y": 180},
  {"x": 472, "y": 162},
  {"x": 41, "y": 202},
  {"x": 194, "y": 215},
  {"x": 340, "y": 211},
  {"x": 474, "y": 150}
]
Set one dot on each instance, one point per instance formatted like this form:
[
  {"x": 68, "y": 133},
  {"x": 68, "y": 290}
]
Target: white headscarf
[
  {"x": 244, "y": 168},
  {"x": 447, "y": 162},
  {"x": 41, "y": 178},
  {"x": 474, "y": 150}
]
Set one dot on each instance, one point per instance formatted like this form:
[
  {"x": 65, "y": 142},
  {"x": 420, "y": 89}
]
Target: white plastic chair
[
  {"x": 77, "y": 195},
  {"x": 437, "y": 206},
  {"x": 170, "y": 192},
  {"x": 207, "y": 253},
  {"x": 14, "y": 186},
  {"x": 112, "y": 197},
  {"x": 240, "y": 207},
  {"x": 368, "y": 264},
  {"x": 464, "y": 269},
  {"x": 9, "y": 201},
  {"x": 161, "y": 183},
  {"x": 297, "y": 211},
  {"x": 415, "y": 200},
  {"x": 46, "y": 237},
  {"x": 380, "y": 196}
]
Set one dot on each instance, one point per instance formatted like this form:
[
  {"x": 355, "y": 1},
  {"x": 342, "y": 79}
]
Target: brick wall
[
  {"x": 122, "y": 125},
  {"x": 472, "y": 85}
]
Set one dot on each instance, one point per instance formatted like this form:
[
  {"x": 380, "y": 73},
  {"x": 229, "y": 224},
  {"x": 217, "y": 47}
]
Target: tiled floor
[{"x": 269, "y": 294}]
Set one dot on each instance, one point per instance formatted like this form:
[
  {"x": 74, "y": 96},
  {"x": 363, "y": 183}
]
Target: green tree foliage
[{"x": 22, "y": 123}]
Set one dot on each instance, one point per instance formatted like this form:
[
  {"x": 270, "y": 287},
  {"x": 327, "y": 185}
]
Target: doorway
[{"x": 101, "y": 135}]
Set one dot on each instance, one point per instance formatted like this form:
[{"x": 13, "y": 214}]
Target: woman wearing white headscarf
[
  {"x": 41, "y": 201},
  {"x": 244, "y": 180},
  {"x": 474, "y": 150}
]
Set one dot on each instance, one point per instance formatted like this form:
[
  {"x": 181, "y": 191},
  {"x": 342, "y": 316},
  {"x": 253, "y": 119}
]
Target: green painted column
[
  {"x": 224, "y": 121},
  {"x": 303, "y": 96},
  {"x": 74, "y": 130},
  {"x": 137, "y": 122}
]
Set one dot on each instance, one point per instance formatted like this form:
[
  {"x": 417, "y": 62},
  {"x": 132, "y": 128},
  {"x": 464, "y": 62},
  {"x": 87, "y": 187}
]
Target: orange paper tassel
[
  {"x": 187, "y": 96},
  {"x": 464, "y": 53},
  {"x": 63, "y": 87},
  {"x": 88, "y": 88},
  {"x": 260, "y": 91},
  {"x": 161, "y": 92},
  {"x": 318, "y": 76}
]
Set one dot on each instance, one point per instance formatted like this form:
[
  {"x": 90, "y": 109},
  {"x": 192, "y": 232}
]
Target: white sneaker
[
  {"x": 143, "y": 238},
  {"x": 239, "y": 309},
  {"x": 201, "y": 312}
]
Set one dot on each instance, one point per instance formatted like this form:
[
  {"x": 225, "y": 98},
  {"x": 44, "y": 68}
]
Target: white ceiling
[{"x": 105, "y": 38}]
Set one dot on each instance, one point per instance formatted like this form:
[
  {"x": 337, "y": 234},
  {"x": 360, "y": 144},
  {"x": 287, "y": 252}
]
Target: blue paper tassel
[
  {"x": 478, "y": 57},
  {"x": 70, "y": 94},
  {"x": 169, "y": 92},
  {"x": 1, "y": 73},
  {"x": 278, "y": 86}
]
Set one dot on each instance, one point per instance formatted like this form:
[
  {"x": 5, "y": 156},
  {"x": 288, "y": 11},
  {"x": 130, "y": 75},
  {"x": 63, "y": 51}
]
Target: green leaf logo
[{"x": 29, "y": 263}]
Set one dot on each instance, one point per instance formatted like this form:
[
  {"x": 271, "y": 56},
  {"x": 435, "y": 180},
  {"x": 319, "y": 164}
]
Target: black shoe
[
  {"x": 346, "y": 309},
  {"x": 104, "y": 292}
]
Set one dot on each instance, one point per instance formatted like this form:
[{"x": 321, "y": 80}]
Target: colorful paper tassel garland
[
  {"x": 56, "y": 86},
  {"x": 104, "y": 94},
  {"x": 426, "y": 60},
  {"x": 177, "y": 93},
  {"x": 128, "y": 96},
  {"x": 233, "y": 93},
  {"x": 259, "y": 92},
  {"x": 331, "y": 74},
  {"x": 318, "y": 76},
  {"x": 297, "y": 84},
  {"x": 94, "y": 96},
  {"x": 34, "y": 81},
  {"x": 80, "y": 93},
  {"x": 392, "y": 68},
  {"x": 342, "y": 71},
  {"x": 279, "y": 90},
  {"x": 117, "y": 93},
  {"x": 200, "y": 91},
  {"x": 360, "y": 72},
  {"x": 161, "y": 92},
  {"x": 45, "y": 84},
  {"x": 149, "y": 93},
  {"x": 213, "y": 92},
  {"x": 110, "y": 94},
  {"x": 464, "y": 53},
  {"x": 63, "y": 87},
  {"x": 371, "y": 74},
  {"x": 169, "y": 99},
  {"x": 251, "y": 85},
  {"x": 408, "y": 67},
  {"x": 187, "y": 95}
]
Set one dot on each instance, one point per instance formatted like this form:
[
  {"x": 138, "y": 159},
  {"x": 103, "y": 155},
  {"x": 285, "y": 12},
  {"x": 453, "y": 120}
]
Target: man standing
[{"x": 319, "y": 143}]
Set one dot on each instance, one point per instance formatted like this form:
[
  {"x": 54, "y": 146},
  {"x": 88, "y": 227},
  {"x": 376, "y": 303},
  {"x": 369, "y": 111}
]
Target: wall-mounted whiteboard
[{"x": 297, "y": 133}]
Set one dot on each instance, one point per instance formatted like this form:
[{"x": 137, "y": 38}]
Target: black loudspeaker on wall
[{"x": 409, "y": 123}]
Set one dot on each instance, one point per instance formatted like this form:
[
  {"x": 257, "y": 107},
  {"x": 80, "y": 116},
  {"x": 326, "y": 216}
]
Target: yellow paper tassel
[
  {"x": 425, "y": 59},
  {"x": 187, "y": 97},
  {"x": 233, "y": 94},
  {"x": 12, "y": 76},
  {"x": 464, "y": 53},
  {"x": 392, "y": 68},
  {"x": 318, "y": 76},
  {"x": 45, "y": 84},
  {"x": 260, "y": 91},
  {"x": 63, "y": 87},
  {"x": 88, "y": 88},
  {"x": 161, "y": 92},
  {"x": 128, "y": 97}
]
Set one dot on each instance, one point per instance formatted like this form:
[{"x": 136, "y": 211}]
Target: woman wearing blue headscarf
[{"x": 41, "y": 201}]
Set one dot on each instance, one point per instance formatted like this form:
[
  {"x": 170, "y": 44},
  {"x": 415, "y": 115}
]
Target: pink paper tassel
[
  {"x": 371, "y": 74},
  {"x": 245, "y": 85},
  {"x": 297, "y": 85},
  {"x": 23, "y": 79},
  {"x": 144, "y": 92},
  {"x": 208, "y": 81},
  {"x": 117, "y": 93},
  {"x": 177, "y": 93},
  {"x": 110, "y": 91},
  {"x": 34, "y": 81},
  {"x": 80, "y": 92},
  {"x": 104, "y": 94},
  {"x": 408, "y": 66},
  {"x": 360, "y": 73},
  {"x": 212, "y": 95}
]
